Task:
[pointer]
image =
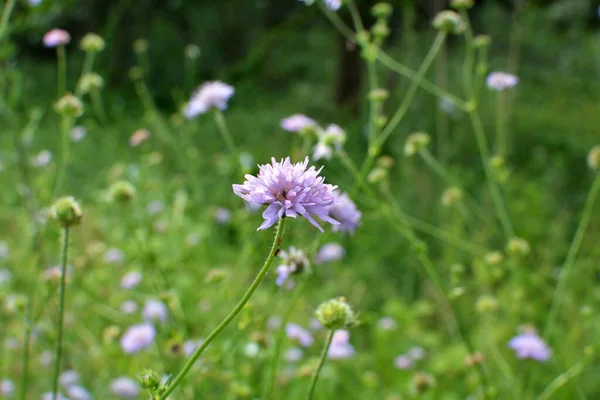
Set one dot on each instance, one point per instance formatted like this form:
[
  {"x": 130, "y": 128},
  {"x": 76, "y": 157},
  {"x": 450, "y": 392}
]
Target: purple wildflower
[
  {"x": 403, "y": 362},
  {"x": 340, "y": 346},
  {"x": 274, "y": 322},
  {"x": 501, "y": 81},
  {"x": 314, "y": 324},
  {"x": 137, "y": 338},
  {"x": 155, "y": 310},
  {"x": 294, "y": 354},
  {"x": 416, "y": 353},
  {"x": 297, "y": 123},
  {"x": 289, "y": 190},
  {"x": 333, "y": 4},
  {"x": 77, "y": 392},
  {"x": 7, "y": 388},
  {"x": 129, "y": 307},
  {"x": 530, "y": 345},
  {"x": 293, "y": 261},
  {"x": 296, "y": 332},
  {"x": 332, "y": 138},
  {"x": 78, "y": 133},
  {"x": 190, "y": 346},
  {"x": 210, "y": 95},
  {"x": 114, "y": 255},
  {"x": 56, "y": 37},
  {"x": 345, "y": 212},
  {"x": 42, "y": 159},
  {"x": 222, "y": 215},
  {"x": 387, "y": 323},
  {"x": 329, "y": 252},
  {"x": 131, "y": 279},
  {"x": 69, "y": 378},
  {"x": 125, "y": 388},
  {"x": 51, "y": 396}
]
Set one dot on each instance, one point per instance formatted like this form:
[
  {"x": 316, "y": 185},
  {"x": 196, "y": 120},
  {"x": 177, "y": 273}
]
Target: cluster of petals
[
  {"x": 329, "y": 252},
  {"x": 137, "y": 338},
  {"x": 56, "y": 37},
  {"x": 293, "y": 261},
  {"x": 297, "y": 123},
  {"x": 209, "y": 95},
  {"x": 289, "y": 190},
  {"x": 298, "y": 333},
  {"x": 530, "y": 345},
  {"x": 501, "y": 81},
  {"x": 344, "y": 211},
  {"x": 340, "y": 346}
]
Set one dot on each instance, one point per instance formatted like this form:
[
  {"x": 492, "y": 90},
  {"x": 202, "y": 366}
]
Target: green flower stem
[
  {"x": 408, "y": 98},
  {"x": 236, "y": 310},
  {"x": 355, "y": 15},
  {"x": 61, "y": 56},
  {"x": 65, "y": 126},
  {"x": 469, "y": 56},
  {"x": 313, "y": 383},
  {"x": 562, "y": 380},
  {"x": 61, "y": 311},
  {"x": 158, "y": 123},
  {"x": 88, "y": 65},
  {"x": 491, "y": 181},
  {"x": 98, "y": 106},
  {"x": 268, "y": 391},
  {"x": 8, "y": 8},
  {"x": 222, "y": 125},
  {"x": 559, "y": 294},
  {"x": 394, "y": 65},
  {"x": 501, "y": 141}
]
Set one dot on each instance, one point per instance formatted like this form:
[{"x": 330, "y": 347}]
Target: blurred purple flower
[
  {"x": 154, "y": 207},
  {"x": 387, "y": 323},
  {"x": 34, "y": 3},
  {"x": 403, "y": 362},
  {"x": 297, "y": 123},
  {"x": 289, "y": 190},
  {"x": 131, "y": 279},
  {"x": 190, "y": 346},
  {"x": 345, "y": 212},
  {"x": 340, "y": 346},
  {"x": 530, "y": 345},
  {"x": 77, "y": 392},
  {"x": 137, "y": 338},
  {"x": 129, "y": 307},
  {"x": 50, "y": 396},
  {"x": 69, "y": 378},
  {"x": 416, "y": 353},
  {"x": 114, "y": 255},
  {"x": 501, "y": 81},
  {"x": 155, "y": 310},
  {"x": 294, "y": 354},
  {"x": 78, "y": 133},
  {"x": 42, "y": 159},
  {"x": 222, "y": 215},
  {"x": 125, "y": 388},
  {"x": 56, "y": 37},
  {"x": 333, "y": 4},
  {"x": 329, "y": 252},
  {"x": 7, "y": 388},
  {"x": 274, "y": 322},
  {"x": 213, "y": 94},
  {"x": 314, "y": 324},
  {"x": 296, "y": 332}
]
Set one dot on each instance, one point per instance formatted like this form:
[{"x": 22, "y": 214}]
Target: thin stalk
[
  {"x": 98, "y": 106},
  {"x": 491, "y": 181},
  {"x": 469, "y": 56},
  {"x": 236, "y": 310},
  {"x": 268, "y": 392},
  {"x": 355, "y": 15},
  {"x": 561, "y": 380},
  {"x": 88, "y": 65},
  {"x": 61, "y": 311},
  {"x": 61, "y": 56},
  {"x": 222, "y": 126},
  {"x": 324, "y": 352},
  {"x": 65, "y": 124},
  {"x": 8, "y": 8},
  {"x": 571, "y": 256},
  {"x": 500, "y": 124}
]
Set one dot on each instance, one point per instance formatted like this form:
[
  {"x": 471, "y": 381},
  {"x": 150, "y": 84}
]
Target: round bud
[
  {"x": 362, "y": 38},
  {"x": 386, "y": 162},
  {"x": 92, "y": 43},
  {"x": 90, "y": 82},
  {"x": 486, "y": 303},
  {"x": 216, "y": 275},
  {"x": 415, "y": 142},
  {"x": 593, "y": 158},
  {"x": 336, "y": 314},
  {"x": 378, "y": 95},
  {"x": 140, "y": 46},
  {"x": 380, "y": 30},
  {"x": 518, "y": 247},
  {"x": 192, "y": 51},
  {"x": 148, "y": 379},
  {"x": 481, "y": 41},
  {"x": 493, "y": 258},
  {"x": 462, "y": 4},
  {"x": 449, "y": 22},
  {"x": 136, "y": 73},
  {"x": 377, "y": 175},
  {"x": 421, "y": 382},
  {"x": 121, "y": 191},
  {"x": 66, "y": 211},
  {"x": 69, "y": 106},
  {"x": 451, "y": 196},
  {"x": 381, "y": 10}
]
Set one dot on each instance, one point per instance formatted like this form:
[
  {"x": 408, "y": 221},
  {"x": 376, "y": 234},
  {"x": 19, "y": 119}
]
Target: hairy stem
[
  {"x": 61, "y": 312},
  {"x": 313, "y": 383}
]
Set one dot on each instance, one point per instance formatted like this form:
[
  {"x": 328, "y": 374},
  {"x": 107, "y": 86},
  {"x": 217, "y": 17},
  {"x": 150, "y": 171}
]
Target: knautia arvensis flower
[
  {"x": 593, "y": 158},
  {"x": 293, "y": 262},
  {"x": 56, "y": 37},
  {"x": 289, "y": 190},
  {"x": 501, "y": 81},
  {"x": 336, "y": 314},
  {"x": 449, "y": 22},
  {"x": 345, "y": 212},
  {"x": 209, "y": 95},
  {"x": 298, "y": 123}
]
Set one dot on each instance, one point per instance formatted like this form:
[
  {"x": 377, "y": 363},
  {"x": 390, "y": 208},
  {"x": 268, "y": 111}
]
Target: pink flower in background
[
  {"x": 131, "y": 279},
  {"x": 530, "y": 345},
  {"x": 345, "y": 212},
  {"x": 297, "y": 122},
  {"x": 501, "y": 81},
  {"x": 138, "y": 137},
  {"x": 296, "y": 332},
  {"x": 210, "y": 95},
  {"x": 289, "y": 190},
  {"x": 329, "y": 252},
  {"x": 340, "y": 346},
  {"x": 137, "y": 338},
  {"x": 125, "y": 388},
  {"x": 56, "y": 37}
]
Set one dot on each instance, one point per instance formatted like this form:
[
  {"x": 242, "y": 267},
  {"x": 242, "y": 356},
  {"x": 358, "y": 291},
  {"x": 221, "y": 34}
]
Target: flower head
[
  {"x": 293, "y": 261},
  {"x": 530, "y": 345},
  {"x": 138, "y": 137},
  {"x": 332, "y": 138},
  {"x": 329, "y": 252},
  {"x": 7, "y": 388},
  {"x": 155, "y": 310},
  {"x": 213, "y": 94},
  {"x": 345, "y": 212},
  {"x": 297, "y": 123},
  {"x": 336, "y": 314},
  {"x": 340, "y": 345},
  {"x": 289, "y": 190},
  {"x": 403, "y": 362},
  {"x": 125, "y": 388},
  {"x": 137, "y": 338},
  {"x": 56, "y": 37},
  {"x": 77, "y": 392},
  {"x": 501, "y": 80},
  {"x": 69, "y": 378},
  {"x": 78, "y": 133},
  {"x": 131, "y": 279},
  {"x": 298, "y": 333}
]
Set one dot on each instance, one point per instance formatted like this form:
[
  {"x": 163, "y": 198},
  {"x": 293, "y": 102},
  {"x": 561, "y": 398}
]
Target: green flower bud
[
  {"x": 593, "y": 158},
  {"x": 136, "y": 73},
  {"x": 451, "y": 196},
  {"x": 378, "y": 95},
  {"x": 493, "y": 258},
  {"x": 90, "y": 82},
  {"x": 415, "y": 142},
  {"x": 121, "y": 192},
  {"x": 518, "y": 247},
  {"x": 462, "y": 4},
  {"x": 92, "y": 43},
  {"x": 363, "y": 38},
  {"x": 380, "y": 30},
  {"x": 148, "y": 379},
  {"x": 377, "y": 175},
  {"x": 380, "y": 121},
  {"x": 421, "y": 382},
  {"x": 381, "y": 10},
  {"x": 386, "y": 162},
  {"x": 481, "y": 41},
  {"x": 192, "y": 51},
  {"x": 216, "y": 275},
  {"x": 449, "y": 22},
  {"x": 66, "y": 211},
  {"x": 486, "y": 303},
  {"x": 140, "y": 46},
  {"x": 336, "y": 314},
  {"x": 69, "y": 106}
]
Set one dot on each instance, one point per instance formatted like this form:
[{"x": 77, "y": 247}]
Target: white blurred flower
[
  {"x": 387, "y": 323},
  {"x": 155, "y": 310},
  {"x": 114, "y": 255},
  {"x": 501, "y": 81},
  {"x": 137, "y": 338},
  {"x": 78, "y": 133},
  {"x": 222, "y": 215},
  {"x": 251, "y": 349},
  {"x": 46, "y": 358},
  {"x": 403, "y": 362},
  {"x": 129, "y": 307},
  {"x": 131, "y": 279},
  {"x": 416, "y": 353},
  {"x": 125, "y": 388},
  {"x": 69, "y": 378},
  {"x": 154, "y": 207},
  {"x": 294, "y": 354},
  {"x": 7, "y": 388},
  {"x": 4, "y": 250},
  {"x": 77, "y": 392},
  {"x": 329, "y": 252},
  {"x": 42, "y": 159},
  {"x": 5, "y": 276}
]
